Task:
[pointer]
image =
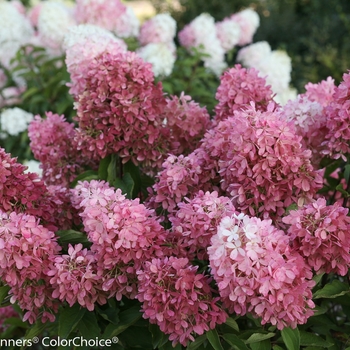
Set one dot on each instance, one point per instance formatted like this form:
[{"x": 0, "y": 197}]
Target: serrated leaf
[
  {"x": 69, "y": 318},
  {"x": 291, "y": 338},
  {"x": 232, "y": 323},
  {"x": 234, "y": 341},
  {"x": 214, "y": 339},
  {"x": 332, "y": 290},
  {"x": 257, "y": 337}
]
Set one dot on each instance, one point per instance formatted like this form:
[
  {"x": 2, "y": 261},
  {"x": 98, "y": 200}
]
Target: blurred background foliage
[{"x": 314, "y": 33}]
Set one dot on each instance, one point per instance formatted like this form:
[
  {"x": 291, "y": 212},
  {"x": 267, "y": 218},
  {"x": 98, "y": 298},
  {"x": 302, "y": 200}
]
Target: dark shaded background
[{"x": 315, "y": 33}]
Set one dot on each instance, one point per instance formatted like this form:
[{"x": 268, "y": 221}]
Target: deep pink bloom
[
  {"x": 338, "y": 119},
  {"x": 262, "y": 164},
  {"x": 321, "y": 233},
  {"x": 120, "y": 111},
  {"x": 27, "y": 250},
  {"x": 256, "y": 271},
  {"x": 197, "y": 219},
  {"x": 238, "y": 88},
  {"x": 53, "y": 145},
  {"x": 74, "y": 278},
  {"x": 123, "y": 232},
  {"x": 188, "y": 122},
  {"x": 177, "y": 299},
  {"x": 310, "y": 121}
]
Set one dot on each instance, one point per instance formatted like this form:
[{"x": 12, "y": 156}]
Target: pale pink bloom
[
  {"x": 323, "y": 92},
  {"x": 102, "y": 13},
  {"x": 321, "y": 233},
  {"x": 82, "y": 44},
  {"x": 177, "y": 299},
  {"x": 249, "y": 21},
  {"x": 228, "y": 31},
  {"x": 257, "y": 272},
  {"x": 159, "y": 29}
]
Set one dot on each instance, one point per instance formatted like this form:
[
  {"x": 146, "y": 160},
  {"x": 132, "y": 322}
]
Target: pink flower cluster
[
  {"x": 181, "y": 176},
  {"x": 338, "y": 119},
  {"x": 74, "y": 278},
  {"x": 310, "y": 120},
  {"x": 123, "y": 232},
  {"x": 197, "y": 219},
  {"x": 120, "y": 111},
  {"x": 5, "y": 313},
  {"x": 105, "y": 14},
  {"x": 262, "y": 164},
  {"x": 26, "y": 250},
  {"x": 321, "y": 92},
  {"x": 52, "y": 141},
  {"x": 321, "y": 233},
  {"x": 238, "y": 88},
  {"x": 256, "y": 271},
  {"x": 23, "y": 192},
  {"x": 188, "y": 122},
  {"x": 177, "y": 299}
]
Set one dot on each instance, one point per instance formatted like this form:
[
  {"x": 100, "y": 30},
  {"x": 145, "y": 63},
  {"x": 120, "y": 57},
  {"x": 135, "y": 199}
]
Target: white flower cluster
[
  {"x": 15, "y": 30},
  {"x": 14, "y": 121},
  {"x": 275, "y": 66},
  {"x": 157, "y": 43},
  {"x": 228, "y": 31},
  {"x": 127, "y": 25},
  {"x": 53, "y": 23},
  {"x": 160, "y": 56},
  {"x": 84, "y": 42},
  {"x": 201, "y": 33},
  {"x": 33, "y": 167}
]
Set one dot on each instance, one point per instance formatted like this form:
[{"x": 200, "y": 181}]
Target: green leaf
[
  {"x": 257, "y": 337},
  {"x": 158, "y": 337},
  {"x": 291, "y": 338},
  {"x": 109, "y": 313},
  {"x": 347, "y": 173},
  {"x": 71, "y": 236},
  {"x": 234, "y": 341},
  {"x": 103, "y": 168},
  {"x": 88, "y": 326},
  {"x": 262, "y": 345},
  {"x": 342, "y": 191},
  {"x": 126, "y": 185},
  {"x": 36, "y": 330},
  {"x": 85, "y": 176},
  {"x": 4, "y": 290},
  {"x": 69, "y": 318},
  {"x": 197, "y": 342},
  {"x": 214, "y": 339},
  {"x": 332, "y": 290},
  {"x": 127, "y": 318},
  {"x": 318, "y": 278},
  {"x": 232, "y": 323},
  {"x": 311, "y": 339},
  {"x": 112, "y": 169}
]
